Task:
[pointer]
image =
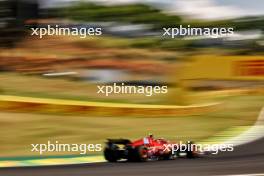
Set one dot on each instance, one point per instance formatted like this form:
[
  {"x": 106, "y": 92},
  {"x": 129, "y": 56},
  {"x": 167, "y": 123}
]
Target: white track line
[
  {"x": 245, "y": 175},
  {"x": 254, "y": 133}
]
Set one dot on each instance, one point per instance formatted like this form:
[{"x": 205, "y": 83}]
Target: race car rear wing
[{"x": 119, "y": 141}]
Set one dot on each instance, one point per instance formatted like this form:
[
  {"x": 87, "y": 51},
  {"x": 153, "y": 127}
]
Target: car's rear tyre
[{"x": 111, "y": 153}]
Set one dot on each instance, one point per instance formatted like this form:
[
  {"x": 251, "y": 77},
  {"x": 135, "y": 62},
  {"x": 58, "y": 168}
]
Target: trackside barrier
[{"x": 29, "y": 104}]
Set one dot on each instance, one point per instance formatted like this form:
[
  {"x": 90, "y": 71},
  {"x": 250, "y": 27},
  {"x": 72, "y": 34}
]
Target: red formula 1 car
[{"x": 144, "y": 149}]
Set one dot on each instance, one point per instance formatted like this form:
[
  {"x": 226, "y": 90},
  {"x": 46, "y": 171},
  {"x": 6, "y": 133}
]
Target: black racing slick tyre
[{"x": 111, "y": 153}]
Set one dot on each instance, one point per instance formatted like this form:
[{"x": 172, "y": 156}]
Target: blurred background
[{"x": 60, "y": 69}]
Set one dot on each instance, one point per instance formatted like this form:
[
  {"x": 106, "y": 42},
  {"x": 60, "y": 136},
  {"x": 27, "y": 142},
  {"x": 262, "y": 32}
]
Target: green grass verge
[
  {"x": 19, "y": 130},
  {"x": 61, "y": 88}
]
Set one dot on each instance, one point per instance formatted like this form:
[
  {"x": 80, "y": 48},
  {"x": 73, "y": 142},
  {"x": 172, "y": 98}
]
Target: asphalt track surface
[{"x": 245, "y": 159}]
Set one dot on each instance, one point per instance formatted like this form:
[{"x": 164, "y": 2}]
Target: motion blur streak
[
  {"x": 254, "y": 133},
  {"x": 250, "y": 156},
  {"x": 48, "y": 86}
]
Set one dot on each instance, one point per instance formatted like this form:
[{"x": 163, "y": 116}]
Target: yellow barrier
[
  {"x": 17, "y": 103},
  {"x": 224, "y": 68}
]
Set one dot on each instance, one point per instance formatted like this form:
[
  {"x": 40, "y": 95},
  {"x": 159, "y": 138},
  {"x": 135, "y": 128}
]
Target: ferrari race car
[{"x": 145, "y": 149}]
